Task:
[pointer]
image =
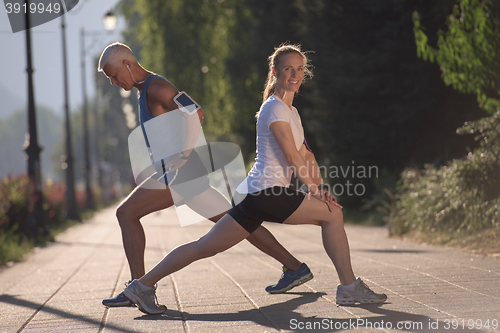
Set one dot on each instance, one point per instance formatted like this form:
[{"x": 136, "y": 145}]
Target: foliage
[
  {"x": 465, "y": 194},
  {"x": 462, "y": 196},
  {"x": 372, "y": 101},
  {"x": 190, "y": 47},
  {"x": 468, "y": 51},
  {"x": 11, "y": 247},
  {"x": 16, "y": 201},
  {"x": 14, "y": 207},
  {"x": 482, "y": 174},
  {"x": 433, "y": 200}
]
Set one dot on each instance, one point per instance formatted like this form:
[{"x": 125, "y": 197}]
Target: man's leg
[{"x": 150, "y": 196}]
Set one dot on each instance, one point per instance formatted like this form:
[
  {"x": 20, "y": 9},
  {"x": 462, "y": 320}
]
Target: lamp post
[
  {"x": 71, "y": 210},
  {"x": 32, "y": 149},
  {"x": 88, "y": 189},
  {"x": 109, "y": 22}
]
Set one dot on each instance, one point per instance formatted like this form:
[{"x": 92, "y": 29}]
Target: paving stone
[{"x": 59, "y": 288}]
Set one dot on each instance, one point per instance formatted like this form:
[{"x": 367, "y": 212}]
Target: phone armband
[{"x": 185, "y": 103}]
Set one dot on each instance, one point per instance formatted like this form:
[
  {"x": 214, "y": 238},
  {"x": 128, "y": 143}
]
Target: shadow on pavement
[
  {"x": 285, "y": 318},
  {"x": 282, "y": 316},
  {"x": 63, "y": 314},
  {"x": 259, "y": 316}
]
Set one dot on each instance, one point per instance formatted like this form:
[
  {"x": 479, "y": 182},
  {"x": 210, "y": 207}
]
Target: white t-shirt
[{"x": 270, "y": 167}]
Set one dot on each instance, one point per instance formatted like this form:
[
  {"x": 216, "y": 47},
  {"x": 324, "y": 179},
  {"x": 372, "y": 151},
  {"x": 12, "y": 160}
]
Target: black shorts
[
  {"x": 189, "y": 180},
  {"x": 273, "y": 204}
]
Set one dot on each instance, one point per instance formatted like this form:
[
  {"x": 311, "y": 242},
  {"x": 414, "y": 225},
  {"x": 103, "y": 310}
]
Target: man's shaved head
[{"x": 114, "y": 54}]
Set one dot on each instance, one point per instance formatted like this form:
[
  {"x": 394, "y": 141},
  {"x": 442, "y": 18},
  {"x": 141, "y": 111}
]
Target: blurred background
[{"x": 389, "y": 92}]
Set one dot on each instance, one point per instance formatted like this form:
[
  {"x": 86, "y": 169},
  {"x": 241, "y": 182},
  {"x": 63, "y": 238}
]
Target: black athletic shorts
[
  {"x": 189, "y": 180},
  {"x": 273, "y": 204}
]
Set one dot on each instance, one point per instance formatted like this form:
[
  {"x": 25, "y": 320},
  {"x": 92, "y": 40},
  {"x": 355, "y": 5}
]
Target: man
[{"x": 158, "y": 98}]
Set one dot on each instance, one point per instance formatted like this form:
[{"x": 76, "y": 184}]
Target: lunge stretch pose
[
  {"x": 265, "y": 196},
  {"x": 156, "y": 98}
]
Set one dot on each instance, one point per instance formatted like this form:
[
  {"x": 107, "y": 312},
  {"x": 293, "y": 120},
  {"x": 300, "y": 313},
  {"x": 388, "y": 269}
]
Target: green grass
[
  {"x": 14, "y": 246},
  {"x": 12, "y": 249}
]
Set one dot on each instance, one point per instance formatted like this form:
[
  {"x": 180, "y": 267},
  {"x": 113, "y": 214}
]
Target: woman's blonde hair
[{"x": 274, "y": 60}]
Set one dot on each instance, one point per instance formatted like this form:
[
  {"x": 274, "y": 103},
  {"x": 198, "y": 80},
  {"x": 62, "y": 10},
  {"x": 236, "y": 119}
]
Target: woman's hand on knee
[{"x": 330, "y": 203}]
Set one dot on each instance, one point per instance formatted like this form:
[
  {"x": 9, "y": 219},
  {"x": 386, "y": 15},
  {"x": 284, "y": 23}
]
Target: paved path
[{"x": 59, "y": 288}]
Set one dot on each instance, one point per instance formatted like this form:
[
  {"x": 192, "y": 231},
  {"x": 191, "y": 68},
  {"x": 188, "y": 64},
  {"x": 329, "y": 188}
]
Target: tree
[
  {"x": 468, "y": 52},
  {"x": 463, "y": 196},
  {"x": 371, "y": 100},
  {"x": 187, "y": 41}
]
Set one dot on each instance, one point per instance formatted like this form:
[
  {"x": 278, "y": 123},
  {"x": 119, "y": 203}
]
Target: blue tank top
[{"x": 144, "y": 114}]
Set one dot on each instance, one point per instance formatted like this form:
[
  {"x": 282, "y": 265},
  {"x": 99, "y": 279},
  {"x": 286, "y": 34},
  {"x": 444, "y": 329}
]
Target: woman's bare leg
[
  {"x": 315, "y": 211},
  {"x": 224, "y": 234},
  {"x": 213, "y": 202}
]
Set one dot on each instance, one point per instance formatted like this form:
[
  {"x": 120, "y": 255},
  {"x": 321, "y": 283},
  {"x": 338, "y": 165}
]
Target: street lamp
[
  {"x": 109, "y": 22},
  {"x": 71, "y": 211},
  {"x": 32, "y": 149}
]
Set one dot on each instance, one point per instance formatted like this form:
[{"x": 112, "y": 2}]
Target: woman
[{"x": 281, "y": 151}]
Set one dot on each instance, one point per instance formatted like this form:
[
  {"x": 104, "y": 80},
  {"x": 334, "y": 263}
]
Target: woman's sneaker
[
  {"x": 290, "y": 279},
  {"x": 144, "y": 297},
  {"x": 359, "y": 292},
  {"x": 118, "y": 300}
]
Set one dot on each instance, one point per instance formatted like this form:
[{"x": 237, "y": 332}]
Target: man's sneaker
[
  {"x": 290, "y": 279},
  {"x": 360, "y": 293},
  {"x": 144, "y": 298},
  {"x": 118, "y": 300}
]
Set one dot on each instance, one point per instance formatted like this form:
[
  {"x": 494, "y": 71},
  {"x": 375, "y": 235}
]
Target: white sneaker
[
  {"x": 144, "y": 297},
  {"x": 361, "y": 293}
]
